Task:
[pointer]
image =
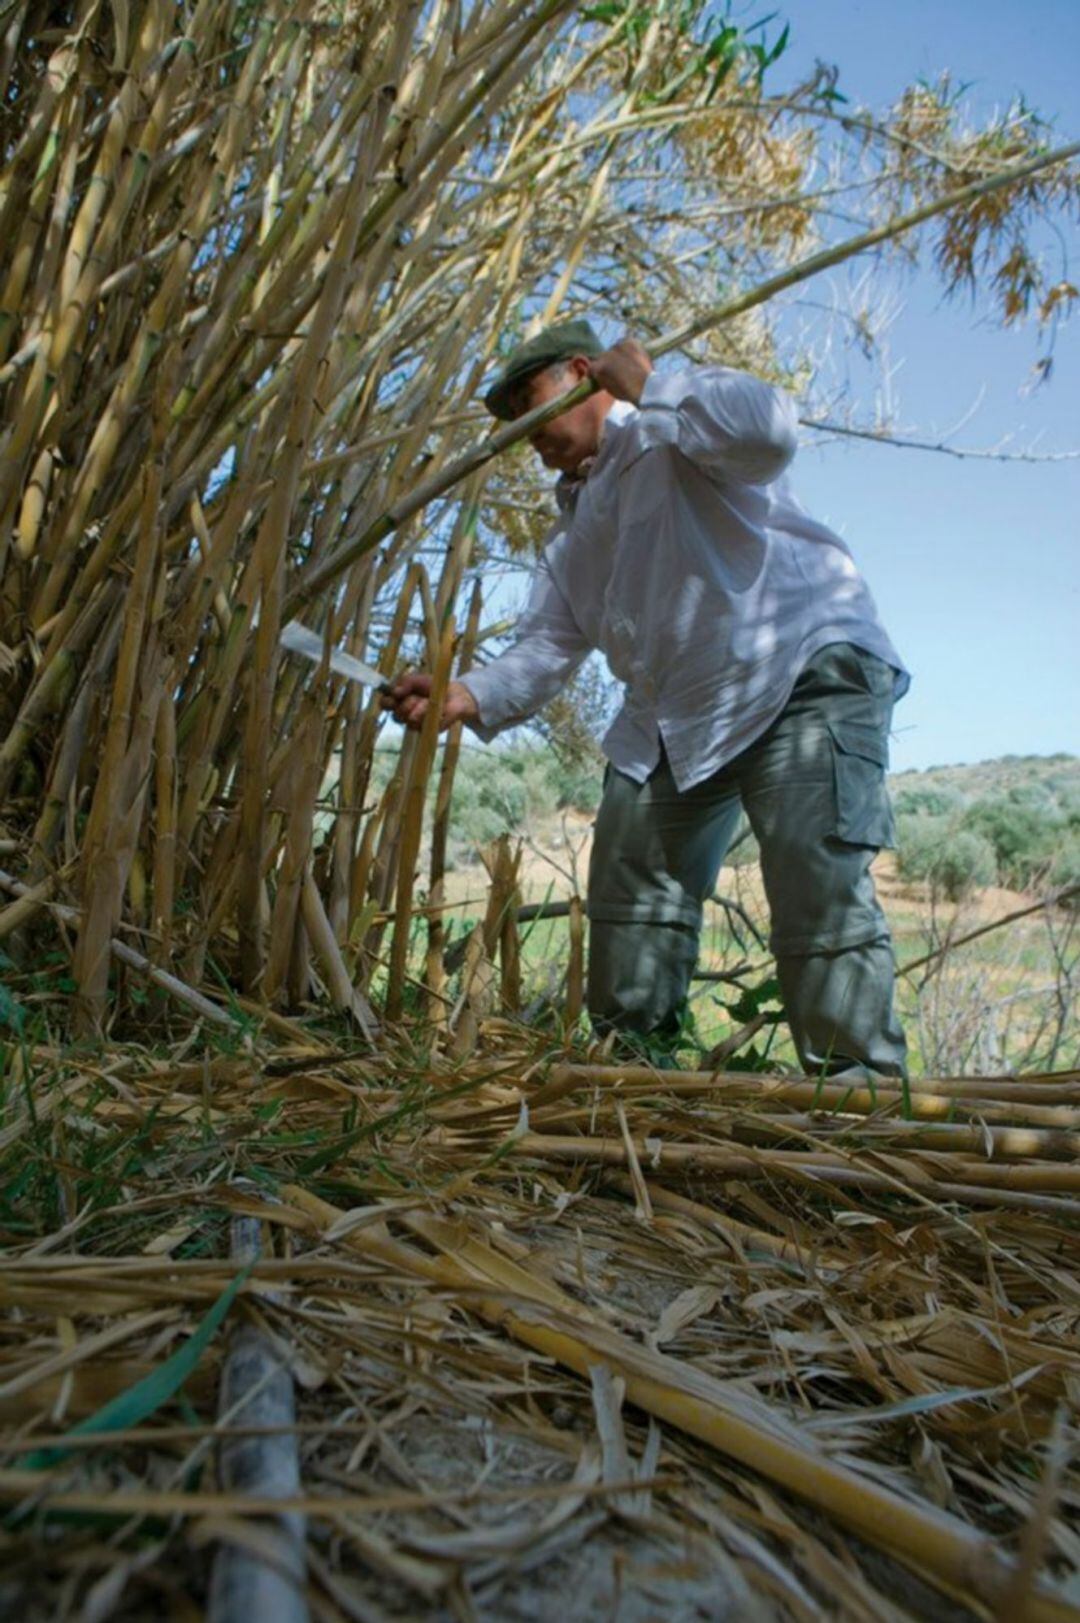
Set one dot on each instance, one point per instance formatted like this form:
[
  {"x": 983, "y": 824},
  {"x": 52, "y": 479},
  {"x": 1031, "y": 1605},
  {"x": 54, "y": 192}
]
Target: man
[{"x": 756, "y": 673}]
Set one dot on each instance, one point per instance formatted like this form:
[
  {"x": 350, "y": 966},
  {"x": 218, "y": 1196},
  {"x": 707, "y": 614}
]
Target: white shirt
[{"x": 684, "y": 556}]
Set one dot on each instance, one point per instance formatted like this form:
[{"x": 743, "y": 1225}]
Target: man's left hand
[{"x": 622, "y": 370}]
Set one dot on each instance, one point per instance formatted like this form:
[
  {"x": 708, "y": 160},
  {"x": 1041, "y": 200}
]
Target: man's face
[{"x": 568, "y": 439}]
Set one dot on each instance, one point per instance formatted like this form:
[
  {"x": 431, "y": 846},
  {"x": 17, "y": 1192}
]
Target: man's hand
[
  {"x": 408, "y": 699},
  {"x": 622, "y": 370}
]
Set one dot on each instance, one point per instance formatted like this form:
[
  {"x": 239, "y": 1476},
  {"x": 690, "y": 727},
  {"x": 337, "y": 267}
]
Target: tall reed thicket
[{"x": 255, "y": 262}]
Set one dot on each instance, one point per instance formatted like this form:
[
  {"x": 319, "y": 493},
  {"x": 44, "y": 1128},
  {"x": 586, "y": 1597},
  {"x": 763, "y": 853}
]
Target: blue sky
[{"x": 975, "y": 565}]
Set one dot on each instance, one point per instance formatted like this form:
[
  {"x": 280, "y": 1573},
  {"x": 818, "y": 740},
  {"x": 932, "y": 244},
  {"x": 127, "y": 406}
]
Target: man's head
[{"x": 548, "y": 366}]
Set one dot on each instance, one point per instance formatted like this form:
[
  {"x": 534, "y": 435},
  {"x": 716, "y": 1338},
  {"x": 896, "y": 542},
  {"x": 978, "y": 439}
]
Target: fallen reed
[{"x": 817, "y": 1393}]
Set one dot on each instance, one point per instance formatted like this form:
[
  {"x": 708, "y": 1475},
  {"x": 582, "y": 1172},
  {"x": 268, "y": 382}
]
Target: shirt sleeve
[
  {"x": 728, "y": 422},
  {"x": 546, "y": 651}
]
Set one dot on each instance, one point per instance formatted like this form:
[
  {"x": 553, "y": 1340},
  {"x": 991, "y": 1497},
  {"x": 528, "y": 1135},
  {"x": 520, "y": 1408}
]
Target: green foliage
[
  {"x": 950, "y": 858},
  {"x": 578, "y": 785},
  {"x": 752, "y": 1001},
  {"x": 508, "y": 791},
  {"x": 929, "y": 801},
  {"x": 1016, "y": 819},
  {"x": 500, "y": 790},
  {"x": 706, "y": 47},
  {"x": 1023, "y": 829},
  {"x": 579, "y": 716},
  {"x": 1065, "y": 865}
]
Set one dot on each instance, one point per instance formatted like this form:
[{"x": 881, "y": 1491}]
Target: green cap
[{"x": 556, "y": 343}]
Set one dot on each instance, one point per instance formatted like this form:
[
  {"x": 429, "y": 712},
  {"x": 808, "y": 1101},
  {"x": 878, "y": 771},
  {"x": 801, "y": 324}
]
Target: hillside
[
  {"x": 1026, "y": 808},
  {"x": 1056, "y": 775}
]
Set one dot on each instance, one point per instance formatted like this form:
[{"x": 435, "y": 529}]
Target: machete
[{"x": 309, "y": 645}]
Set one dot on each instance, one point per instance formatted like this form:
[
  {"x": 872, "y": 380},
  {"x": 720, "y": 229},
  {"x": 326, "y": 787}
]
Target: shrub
[
  {"x": 917, "y": 841},
  {"x": 926, "y": 802},
  {"x": 1024, "y": 831},
  {"x": 951, "y": 858},
  {"x": 490, "y": 793},
  {"x": 1065, "y": 866},
  {"x": 578, "y": 784}
]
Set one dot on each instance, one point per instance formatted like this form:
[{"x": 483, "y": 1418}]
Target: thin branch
[
  {"x": 962, "y": 453},
  {"x": 1063, "y": 895}
]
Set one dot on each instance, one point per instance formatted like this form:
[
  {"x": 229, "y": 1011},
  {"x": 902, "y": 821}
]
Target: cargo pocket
[{"x": 860, "y": 756}]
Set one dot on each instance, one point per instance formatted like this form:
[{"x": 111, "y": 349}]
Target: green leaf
[
  {"x": 132, "y": 1407},
  {"x": 11, "y": 1013},
  {"x": 749, "y": 1060},
  {"x": 752, "y": 1000},
  {"x": 725, "y": 43},
  {"x": 781, "y": 44}
]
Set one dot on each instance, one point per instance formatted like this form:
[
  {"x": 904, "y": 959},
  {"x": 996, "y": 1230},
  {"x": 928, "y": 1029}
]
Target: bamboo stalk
[
  {"x": 115, "y": 811},
  {"x": 165, "y": 829},
  {"x": 509, "y": 945},
  {"x": 575, "y": 969},
  {"x": 362, "y": 866},
  {"x": 26, "y": 906},
  {"x": 1038, "y": 1188},
  {"x": 273, "y": 536},
  {"x": 565, "y": 1078},
  {"x": 344, "y": 993},
  {"x": 295, "y": 792},
  {"x": 412, "y": 825},
  {"x": 435, "y": 974},
  {"x": 352, "y": 773},
  {"x": 827, "y": 1102}
]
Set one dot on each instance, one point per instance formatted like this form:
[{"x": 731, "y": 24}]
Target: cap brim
[
  {"x": 497, "y": 401},
  {"x": 498, "y": 398}
]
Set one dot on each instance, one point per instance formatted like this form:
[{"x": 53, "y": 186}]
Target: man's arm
[
  {"x": 728, "y": 422},
  {"x": 547, "y": 649}
]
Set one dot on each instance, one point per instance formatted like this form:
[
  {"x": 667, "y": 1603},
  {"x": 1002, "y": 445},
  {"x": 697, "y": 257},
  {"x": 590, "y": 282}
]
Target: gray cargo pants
[{"x": 813, "y": 787}]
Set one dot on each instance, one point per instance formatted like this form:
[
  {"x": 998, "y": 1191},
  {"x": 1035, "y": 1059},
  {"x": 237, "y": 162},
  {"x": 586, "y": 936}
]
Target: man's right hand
[{"x": 409, "y": 695}]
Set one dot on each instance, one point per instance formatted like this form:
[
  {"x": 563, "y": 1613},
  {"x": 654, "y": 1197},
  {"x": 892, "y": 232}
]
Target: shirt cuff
[{"x": 489, "y": 723}]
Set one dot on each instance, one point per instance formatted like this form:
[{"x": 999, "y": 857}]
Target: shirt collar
[{"x": 568, "y": 486}]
